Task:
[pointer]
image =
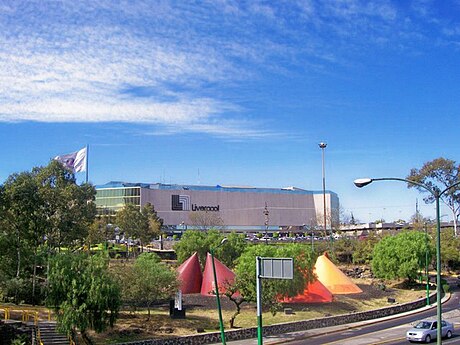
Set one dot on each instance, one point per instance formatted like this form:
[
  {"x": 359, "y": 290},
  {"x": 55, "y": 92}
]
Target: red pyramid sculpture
[
  {"x": 224, "y": 277},
  {"x": 190, "y": 276},
  {"x": 314, "y": 293}
]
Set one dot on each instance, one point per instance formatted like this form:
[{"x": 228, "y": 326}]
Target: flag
[{"x": 75, "y": 161}]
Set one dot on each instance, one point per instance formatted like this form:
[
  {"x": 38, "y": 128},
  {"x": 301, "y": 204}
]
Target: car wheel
[
  {"x": 428, "y": 339},
  {"x": 449, "y": 334}
]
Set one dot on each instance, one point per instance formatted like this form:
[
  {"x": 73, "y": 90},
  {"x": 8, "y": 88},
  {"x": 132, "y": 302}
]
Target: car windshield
[{"x": 423, "y": 325}]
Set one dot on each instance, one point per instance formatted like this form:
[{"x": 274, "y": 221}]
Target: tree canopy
[
  {"x": 83, "y": 293},
  {"x": 401, "y": 255},
  {"x": 203, "y": 241},
  {"x": 272, "y": 289},
  {"x": 40, "y": 211},
  {"x": 439, "y": 174},
  {"x": 142, "y": 224},
  {"x": 148, "y": 281}
]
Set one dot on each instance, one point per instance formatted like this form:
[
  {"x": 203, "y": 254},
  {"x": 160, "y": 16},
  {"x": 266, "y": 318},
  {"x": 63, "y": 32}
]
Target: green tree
[
  {"x": 83, "y": 293},
  {"x": 273, "y": 289},
  {"x": 154, "y": 223},
  {"x": 401, "y": 256},
  {"x": 42, "y": 210},
  {"x": 229, "y": 253},
  {"x": 149, "y": 281},
  {"x": 97, "y": 232},
  {"x": 364, "y": 249},
  {"x": 439, "y": 174},
  {"x": 201, "y": 242},
  {"x": 450, "y": 255},
  {"x": 344, "y": 248},
  {"x": 131, "y": 221},
  {"x": 192, "y": 241},
  {"x": 22, "y": 228}
]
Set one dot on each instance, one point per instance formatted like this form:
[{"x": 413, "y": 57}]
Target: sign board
[
  {"x": 277, "y": 268},
  {"x": 178, "y": 300}
]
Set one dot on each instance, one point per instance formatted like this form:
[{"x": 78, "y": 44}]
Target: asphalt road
[{"x": 389, "y": 332}]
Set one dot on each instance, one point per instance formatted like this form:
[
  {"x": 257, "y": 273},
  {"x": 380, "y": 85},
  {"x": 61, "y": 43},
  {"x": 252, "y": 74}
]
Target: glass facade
[{"x": 109, "y": 200}]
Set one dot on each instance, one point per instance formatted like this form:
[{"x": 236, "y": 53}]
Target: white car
[{"x": 425, "y": 331}]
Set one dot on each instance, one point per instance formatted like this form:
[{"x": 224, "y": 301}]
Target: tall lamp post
[
  {"x": 266, "y": 214},
  {"x": 437, "y": 196},
  {"x": 219, "y": 309},
  {"x": 426, "y": 266},
  {"x": 322, "y": 146}
]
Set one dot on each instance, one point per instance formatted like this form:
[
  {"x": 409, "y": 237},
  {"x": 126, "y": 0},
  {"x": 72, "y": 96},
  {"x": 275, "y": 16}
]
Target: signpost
[{"x": 270, "y": 268}]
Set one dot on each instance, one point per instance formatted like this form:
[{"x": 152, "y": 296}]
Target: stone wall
[
  {"x": 246, "y": 333},
  {"x": 12, "y": 330}
]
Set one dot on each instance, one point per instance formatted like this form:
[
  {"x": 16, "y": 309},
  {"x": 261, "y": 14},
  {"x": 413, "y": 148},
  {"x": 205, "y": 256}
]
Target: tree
[
  {"x": 68, "y": 207},
  {"x": 42, "y": 210},
  {"x": 364, "y": 249},
  {"x": 229, "y": 253},
  {"x": 149, "y": 281},
  {"x": 131, "y": 221},
  {"x": 401, "y": 256},
  {"x": 83, "y": 293},
  {"x": 23, "y": 229},
  {"x": 231, "y": 291},
  {"x": 201, "y": 242},
  {"x": 273, "y": 289},
  {"x": 450, "y": 256},
  {"x": 344, "y": 248},
  {"x": 438, "y": 175},
  {"x": 154, "y": 224},
  {"x": 97, "y": 232},
  {"x": 205, "y": 220},
  {"x": 141, "y": 224}
]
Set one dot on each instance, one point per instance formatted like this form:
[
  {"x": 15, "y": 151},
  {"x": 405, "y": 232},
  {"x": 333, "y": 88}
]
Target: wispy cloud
[{"x": 168, "y": 63}]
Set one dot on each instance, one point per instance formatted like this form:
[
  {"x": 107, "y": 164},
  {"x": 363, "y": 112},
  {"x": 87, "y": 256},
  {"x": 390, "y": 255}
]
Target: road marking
[{"x": 366, "y": 337}]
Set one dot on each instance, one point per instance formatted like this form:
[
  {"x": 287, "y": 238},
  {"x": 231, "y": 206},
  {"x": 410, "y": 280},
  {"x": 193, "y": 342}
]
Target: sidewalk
[{"x": 286, "y": 338}]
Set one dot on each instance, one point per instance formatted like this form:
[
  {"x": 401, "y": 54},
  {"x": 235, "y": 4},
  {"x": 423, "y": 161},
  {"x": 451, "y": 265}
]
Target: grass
[{"x": 134, "y": 326}]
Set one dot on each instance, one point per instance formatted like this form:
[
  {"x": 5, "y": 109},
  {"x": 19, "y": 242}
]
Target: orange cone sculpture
[{"x": 333, "y": 278}]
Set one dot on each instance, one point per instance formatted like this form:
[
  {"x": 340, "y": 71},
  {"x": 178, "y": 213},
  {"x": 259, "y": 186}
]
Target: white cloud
[{"x": 166, "y": 62}]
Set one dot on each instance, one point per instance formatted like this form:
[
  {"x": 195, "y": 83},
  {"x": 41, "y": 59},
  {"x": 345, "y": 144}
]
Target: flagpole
[{"x": 87, "y": 158}]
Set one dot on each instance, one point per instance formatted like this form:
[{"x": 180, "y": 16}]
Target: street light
[
  {"x": 219, "y": 309},
  {"x": 426, "y": 266},
  {"x": 362, "y": 182},
  {"x": 322, "y": 146},
  {"x": 266, "y": 214}
]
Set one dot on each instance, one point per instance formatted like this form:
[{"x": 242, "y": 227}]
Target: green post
[
  {"x": 426, "y": 268},
  {"x": 259, "y": 302},
  {"x": 438, "y": 269},
  {"x": 219, "y": 309},
  {"x": 437, "y": 195}
]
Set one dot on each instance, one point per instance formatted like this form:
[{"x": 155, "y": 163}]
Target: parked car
[{"x": 426, "y": 331}]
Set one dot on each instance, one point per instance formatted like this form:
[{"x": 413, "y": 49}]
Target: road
[{"x": 389, "y": 332}]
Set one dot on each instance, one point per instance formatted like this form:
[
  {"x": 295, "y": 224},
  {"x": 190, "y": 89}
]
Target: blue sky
[{"x": 235, "y": 92}]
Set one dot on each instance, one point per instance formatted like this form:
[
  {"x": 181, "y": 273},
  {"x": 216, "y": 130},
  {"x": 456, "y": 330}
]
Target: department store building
[{"x": 241, "y": 208}]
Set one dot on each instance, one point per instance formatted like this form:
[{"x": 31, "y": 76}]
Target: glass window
[{"x": 116, "y": 198}]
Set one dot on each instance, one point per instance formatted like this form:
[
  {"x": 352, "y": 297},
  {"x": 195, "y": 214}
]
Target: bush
[{"x": 445, "y": 286}]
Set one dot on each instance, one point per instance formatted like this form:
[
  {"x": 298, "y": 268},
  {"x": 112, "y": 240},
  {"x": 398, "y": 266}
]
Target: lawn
[{"x": 201, "y": 314}]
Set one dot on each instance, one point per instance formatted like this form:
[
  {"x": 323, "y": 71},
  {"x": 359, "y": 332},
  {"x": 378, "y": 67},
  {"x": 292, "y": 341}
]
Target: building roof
[{"x": 216, "y": 188}]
